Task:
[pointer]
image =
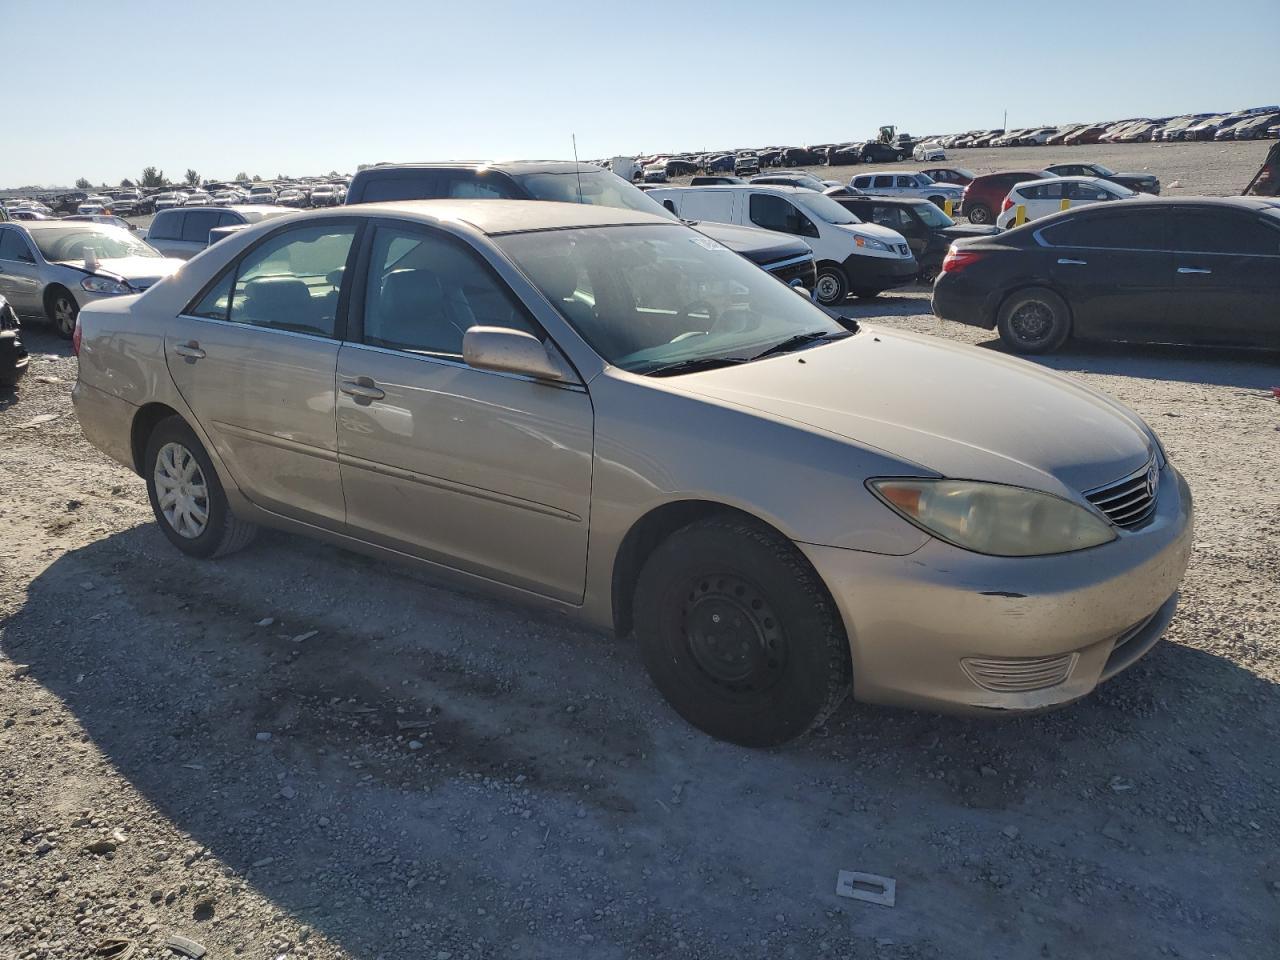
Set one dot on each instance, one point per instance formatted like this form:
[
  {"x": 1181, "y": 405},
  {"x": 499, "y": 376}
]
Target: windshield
[
  {"x": 596, "y": 186},
  {"x": 934, "y": 217},
  {"x": 923, "y": 179},
  {"x": 1102, "y": 171},
  {"x": 58, "y": 243},
  {"x": 823, "y": 207},
  {"x": 647, "y": 297}
]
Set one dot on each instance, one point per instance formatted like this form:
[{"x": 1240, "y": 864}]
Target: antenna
[{"x": 576, "y": 168}]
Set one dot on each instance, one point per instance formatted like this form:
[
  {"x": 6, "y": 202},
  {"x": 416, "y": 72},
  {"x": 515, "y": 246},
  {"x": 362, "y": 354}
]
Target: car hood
[
  {"x": 147, "y": 269},
  {"x": 758, "y": 246},
  {"x": 954, "y": 410}
]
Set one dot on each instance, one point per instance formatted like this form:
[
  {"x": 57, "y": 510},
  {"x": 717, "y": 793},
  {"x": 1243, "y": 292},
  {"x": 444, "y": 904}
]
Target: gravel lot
[{"x": 300, "y": 752}]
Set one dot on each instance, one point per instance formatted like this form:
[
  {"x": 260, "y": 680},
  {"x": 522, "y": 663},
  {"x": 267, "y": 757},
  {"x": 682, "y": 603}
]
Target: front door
[
  {"x": 19, "y": 275},
  {"x": 1114, "y": 268},
  {"x": 1226, "y": 278},
  {"x": 484, "y": 472},
  {"x": 255, "y": 359}
]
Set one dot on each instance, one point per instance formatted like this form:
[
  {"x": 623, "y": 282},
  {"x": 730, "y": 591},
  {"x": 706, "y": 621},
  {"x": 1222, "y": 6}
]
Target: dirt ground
[{"x": 298, "y": 752}]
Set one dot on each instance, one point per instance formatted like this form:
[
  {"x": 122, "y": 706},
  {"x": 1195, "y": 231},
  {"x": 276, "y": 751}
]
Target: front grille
[
  {"x": 805, "y": 271},
  {"x": 1018, "y": 675},
  {"x": 1130, "y": 502}
]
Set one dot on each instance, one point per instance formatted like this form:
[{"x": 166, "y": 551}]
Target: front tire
[
  {"x": 187, "y": 497},
  {"x": 739, "y": 634},
  {"x": 1035, "y": 320},
  {"x": 832, "y": 286},
  {"x": 61, "y": 309}
]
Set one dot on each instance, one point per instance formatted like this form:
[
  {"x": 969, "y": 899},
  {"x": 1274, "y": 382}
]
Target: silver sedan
[
  {"x": 50, "y": 269},
  {"x": 613, "y": 415}
]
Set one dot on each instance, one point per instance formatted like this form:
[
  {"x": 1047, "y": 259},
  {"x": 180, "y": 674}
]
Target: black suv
[
  {"x": 928, "y": 230},
  {"x": 787, "y": 258}
]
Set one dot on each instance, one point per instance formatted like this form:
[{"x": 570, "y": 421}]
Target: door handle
[
  {"x": 362, "y": 388},
  {"x": 1068, "y": 262},
  {"x": 191, "y": 350},
  {"x": 1194, "y": 270}
]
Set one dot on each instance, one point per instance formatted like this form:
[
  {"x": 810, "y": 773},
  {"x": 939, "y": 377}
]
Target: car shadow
[{"x": 377, "y": 754}]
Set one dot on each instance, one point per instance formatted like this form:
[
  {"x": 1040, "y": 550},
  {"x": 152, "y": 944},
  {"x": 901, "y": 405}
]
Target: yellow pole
[
  {"x": 1020, "y": 215},
  {"x": 948, "y": 206},
  {"x": 1065, "y": 205}
]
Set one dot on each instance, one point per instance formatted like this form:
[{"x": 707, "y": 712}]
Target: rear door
[
  {"x": 1226, "y": 277},
  {"x": 255, "y": 356},
  {"x": 484, "y": 472},
  {"x": 1115, "y": 271},
  {"x": 165, "y": 233}
]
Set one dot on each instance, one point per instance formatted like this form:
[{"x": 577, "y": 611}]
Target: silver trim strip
[{"x": 787, "y": 263}]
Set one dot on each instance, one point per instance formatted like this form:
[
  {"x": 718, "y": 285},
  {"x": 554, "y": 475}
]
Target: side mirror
[
  {"x": 801, "y": 290},
  {"x": 514, "y": 351}
]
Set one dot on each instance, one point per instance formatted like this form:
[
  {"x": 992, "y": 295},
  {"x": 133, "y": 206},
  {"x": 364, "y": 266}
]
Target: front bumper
[
  {"x": 880, "y": 273},
  {"x": 947, "y": 629}
]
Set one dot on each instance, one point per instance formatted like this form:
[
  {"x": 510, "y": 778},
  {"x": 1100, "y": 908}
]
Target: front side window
[
  {"x": 1087, "y": 191},
  {"x": 648, "y": 297},
  {"x": 599, "y": 187},
  {"x": 198, "y": 224},
  {"x": 14, "y": 248},
  {"x": 1214, "y": 232},
  {"x": 468, "y": 189},
  {"x": 778, "y": 213},
  {"x": 289, "y": 281},
  {"x": 907, "y": 182},
  {"x": 425, "y": 290}
]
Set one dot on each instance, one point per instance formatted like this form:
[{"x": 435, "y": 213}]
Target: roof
[
  {"x": 505, "y": 166},
  {"x": 511, "y": 216}
]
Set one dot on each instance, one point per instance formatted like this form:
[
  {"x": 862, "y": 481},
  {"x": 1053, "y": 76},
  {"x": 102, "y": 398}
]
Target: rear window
[{"x": 421, "y": 186}]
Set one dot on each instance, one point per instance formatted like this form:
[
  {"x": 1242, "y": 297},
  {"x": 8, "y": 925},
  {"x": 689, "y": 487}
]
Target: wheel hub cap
[
  {"x": 1032, "y": 321},
  {"x": 181, "y": 491},
  {"x": 733, "y": 634}
]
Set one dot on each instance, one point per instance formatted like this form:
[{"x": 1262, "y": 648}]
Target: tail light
[
  {"x": 1007, "y": 205},
  {"x": 957, "y": 259},
  {"x": 75, "y": 339}
]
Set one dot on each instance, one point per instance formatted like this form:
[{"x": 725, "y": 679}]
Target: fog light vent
[{"x": 1010, "y": 675}]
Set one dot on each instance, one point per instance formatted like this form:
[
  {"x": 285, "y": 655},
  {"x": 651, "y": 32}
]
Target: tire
[
  {"x": 831, "y": 288},
  {"x": 899, "y": 157},
  {"x": 61, "y": 309},
  {"x": 1035, "y": 320},
  {"x": 978, "y": 213},
  {"x": 739, "y": 634},
  {"x": 222, "y": 532},
  {"x": 866, "y": 293}
]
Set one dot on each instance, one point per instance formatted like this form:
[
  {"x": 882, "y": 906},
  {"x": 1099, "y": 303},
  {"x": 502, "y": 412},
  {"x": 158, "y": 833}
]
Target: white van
[{"x": 853, "y": 257}]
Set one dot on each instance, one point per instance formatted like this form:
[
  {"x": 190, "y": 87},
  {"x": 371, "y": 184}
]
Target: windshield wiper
[
  {"x": 800, "y": 339},
  {"x": 695, "y": 363}
]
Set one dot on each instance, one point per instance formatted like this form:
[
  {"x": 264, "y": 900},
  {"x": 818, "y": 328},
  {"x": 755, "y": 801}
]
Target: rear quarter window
[{"x": 167, "y": 225}]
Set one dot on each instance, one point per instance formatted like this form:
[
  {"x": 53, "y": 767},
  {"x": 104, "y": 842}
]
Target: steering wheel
[{"x": 686, "y": 313}]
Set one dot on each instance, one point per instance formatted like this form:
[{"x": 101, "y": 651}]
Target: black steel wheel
[{"x": 739, "y": 633}]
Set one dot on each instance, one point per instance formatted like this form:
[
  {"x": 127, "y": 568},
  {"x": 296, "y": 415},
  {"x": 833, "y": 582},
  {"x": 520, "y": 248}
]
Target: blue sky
[{"x": 102, "y": 90}]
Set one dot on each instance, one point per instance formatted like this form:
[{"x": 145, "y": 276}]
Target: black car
[
  {"x": 929, "y": 231},
  {"x": 800, "y": 157},
  {"x": 714, "y": 180},
  {"x": 1141, "y": 182},
  {"x": 789, "y": 259},
  {"x": 1197, "y": 270},
  {"x": 13, "y": 355},
  {"x": 877, "y": 152},
  {"x": 844, "y": 156}
]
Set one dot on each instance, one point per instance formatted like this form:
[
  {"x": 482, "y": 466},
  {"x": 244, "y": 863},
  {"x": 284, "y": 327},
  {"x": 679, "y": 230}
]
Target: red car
[{"x": 984, "y": 194}]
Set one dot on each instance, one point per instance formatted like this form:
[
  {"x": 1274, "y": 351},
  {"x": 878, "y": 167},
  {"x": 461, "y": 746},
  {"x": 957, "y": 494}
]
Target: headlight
[
  {"x": 104, "y": 285},
  {"x": 993, "y": 518},
  {"x": 869, "y": 243}
]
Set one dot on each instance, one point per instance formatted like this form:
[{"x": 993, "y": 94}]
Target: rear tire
[
  {"x": 1035, "y": 320},
  {"x": 187, "y": 497},
  {"x": 831, "y": 286},
  {"x": 979, "y": 213},
  {"x": 739, "y": 634}
]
